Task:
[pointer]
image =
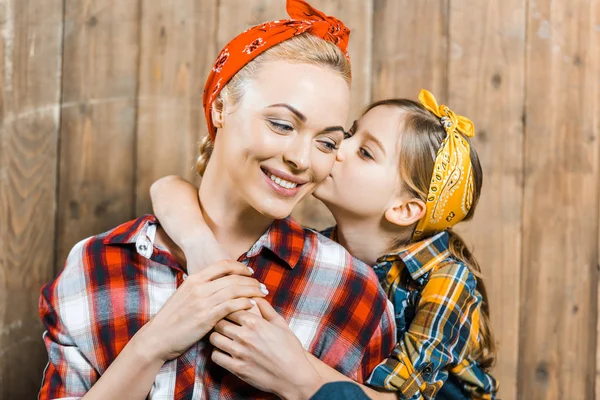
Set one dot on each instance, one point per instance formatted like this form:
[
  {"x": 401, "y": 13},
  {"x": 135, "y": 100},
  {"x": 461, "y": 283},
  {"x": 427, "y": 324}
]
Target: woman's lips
[{"x": 283, "y": 191}]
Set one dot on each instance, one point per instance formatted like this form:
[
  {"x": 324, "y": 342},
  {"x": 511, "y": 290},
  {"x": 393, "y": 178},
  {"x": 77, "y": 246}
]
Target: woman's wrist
[{"x": 145, "y": 347}]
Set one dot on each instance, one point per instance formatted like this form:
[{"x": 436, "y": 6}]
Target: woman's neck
[
  {"x": 235, "y": 224},
  {"x": 367, "y": 239}
]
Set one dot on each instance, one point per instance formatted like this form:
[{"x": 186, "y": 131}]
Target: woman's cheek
[{"x": 322, "y": 164}]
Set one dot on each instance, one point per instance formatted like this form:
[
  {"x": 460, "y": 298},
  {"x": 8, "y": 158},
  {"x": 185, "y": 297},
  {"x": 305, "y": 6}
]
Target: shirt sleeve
[
  {"x": 68, "y": 374},
  {"x": 445, "y": 323},
  {"x": 360, "y": 325},
  {"x": 381, "y": 342}
]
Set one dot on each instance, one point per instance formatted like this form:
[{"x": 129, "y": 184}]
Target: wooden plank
[
  {"x": 177, "y": 52},
  {"x": 560, "y": 202},
  {"x": 98, "y": 118},
  {"x": 410, "y": 48},
  {"x": 30, "y": 58},
  {"x": 486, "y": 83}
]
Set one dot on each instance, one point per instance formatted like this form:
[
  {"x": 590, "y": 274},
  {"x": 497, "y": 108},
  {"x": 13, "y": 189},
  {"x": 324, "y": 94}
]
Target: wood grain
[
  {"x": 97, "y": 158},
  {"x": 30, "y": 73},
  {"x": 410, "y": 48},
  {"x": 486, "y": 84},
  {"x": 177, "y": 52},
  {"x": 560, "y": 217}
]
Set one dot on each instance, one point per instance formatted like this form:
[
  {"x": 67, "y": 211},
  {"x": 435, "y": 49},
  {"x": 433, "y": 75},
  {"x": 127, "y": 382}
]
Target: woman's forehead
[{"x": 317, "y": 92}]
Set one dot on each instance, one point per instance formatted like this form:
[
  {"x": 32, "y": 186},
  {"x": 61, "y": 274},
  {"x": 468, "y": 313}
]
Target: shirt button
[{"x": 427, "y": 370}]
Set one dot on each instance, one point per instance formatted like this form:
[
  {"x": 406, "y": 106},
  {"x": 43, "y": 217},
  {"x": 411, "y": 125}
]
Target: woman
[
  {"x": 124, "y": 319},
  {"x": 405, "y": 175}
]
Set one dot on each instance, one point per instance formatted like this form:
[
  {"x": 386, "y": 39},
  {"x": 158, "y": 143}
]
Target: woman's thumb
[{"x": 269, "y": 312}]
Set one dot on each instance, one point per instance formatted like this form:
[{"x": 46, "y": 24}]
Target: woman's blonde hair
[
  {"x": 305, "y": 49},
  {"x": 422, "y": 137}
]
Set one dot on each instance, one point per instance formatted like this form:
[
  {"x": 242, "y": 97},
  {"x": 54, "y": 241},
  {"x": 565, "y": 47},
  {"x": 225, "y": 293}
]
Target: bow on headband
[
  {"x": 450, "y": 194},
  {"x": 251, "y": 43}
]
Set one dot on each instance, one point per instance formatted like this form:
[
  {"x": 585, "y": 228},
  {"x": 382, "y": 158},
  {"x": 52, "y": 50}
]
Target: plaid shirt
[
  {"x": 113, "y": 283},
  {"x": 437, "y": 309}
]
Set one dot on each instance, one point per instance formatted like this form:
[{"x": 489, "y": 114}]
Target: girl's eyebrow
[{"x": 372, "y": 138}]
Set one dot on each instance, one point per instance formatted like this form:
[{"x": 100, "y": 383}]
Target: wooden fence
[{"x": 99, "y": 98}]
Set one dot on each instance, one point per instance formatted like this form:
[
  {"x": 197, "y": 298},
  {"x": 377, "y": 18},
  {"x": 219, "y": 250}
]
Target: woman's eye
[
  {"x": 279, "y": 127},
  {"x": 329, "y": 146},
  {"x": 365, "y": 153}
]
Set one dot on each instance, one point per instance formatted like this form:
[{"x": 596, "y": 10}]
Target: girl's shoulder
[{"x": 453, "y": 270}]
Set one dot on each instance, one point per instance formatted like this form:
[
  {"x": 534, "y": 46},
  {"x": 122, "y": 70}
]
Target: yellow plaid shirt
[{"x": 437, "y": 308}]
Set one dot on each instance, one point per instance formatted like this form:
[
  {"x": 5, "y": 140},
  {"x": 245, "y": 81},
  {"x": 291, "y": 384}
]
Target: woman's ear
[
  {"x": 406, "y": 213},
  {"x": 217, "y": 113}
]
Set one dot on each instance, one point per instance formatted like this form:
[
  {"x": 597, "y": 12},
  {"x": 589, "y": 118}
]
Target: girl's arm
[{"x": 176, "y": 205}]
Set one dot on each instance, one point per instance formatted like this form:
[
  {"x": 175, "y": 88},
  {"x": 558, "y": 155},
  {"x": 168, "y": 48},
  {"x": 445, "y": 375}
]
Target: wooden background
[{"x": 101, "y": 97}]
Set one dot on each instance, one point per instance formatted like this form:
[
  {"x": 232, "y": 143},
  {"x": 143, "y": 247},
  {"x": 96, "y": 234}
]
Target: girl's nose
[{"x": 341, "y": 153}]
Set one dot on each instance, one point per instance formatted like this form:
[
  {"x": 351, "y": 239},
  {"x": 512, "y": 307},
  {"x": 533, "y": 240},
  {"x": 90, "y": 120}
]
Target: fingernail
[
  {"x": 251, "y": 271},
  {"x": 263, "y": 288},
  {"x": 252, "y": 302}
]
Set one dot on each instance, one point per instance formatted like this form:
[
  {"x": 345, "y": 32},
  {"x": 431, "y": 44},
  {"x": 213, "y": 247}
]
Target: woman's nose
[{"x": 298, "y": 155}]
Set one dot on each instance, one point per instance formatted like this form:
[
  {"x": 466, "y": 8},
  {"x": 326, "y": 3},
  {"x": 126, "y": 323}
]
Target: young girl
[{"x": 404, "y": 176}]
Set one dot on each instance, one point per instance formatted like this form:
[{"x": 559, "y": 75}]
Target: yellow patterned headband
[{"x": 451, "y": 190}]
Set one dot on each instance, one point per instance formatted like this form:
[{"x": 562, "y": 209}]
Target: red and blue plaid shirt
[{"x": 113, "y": 283}]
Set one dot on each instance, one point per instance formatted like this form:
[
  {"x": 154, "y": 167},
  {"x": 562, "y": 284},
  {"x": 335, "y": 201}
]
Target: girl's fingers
[
  {"x": 221, "y": 310},
  {"x": 234, "y": 292},
  {"x": 210, "y": 288},
  {"x": 221, "y": 269},
  {"x": 248, "y": 320}
]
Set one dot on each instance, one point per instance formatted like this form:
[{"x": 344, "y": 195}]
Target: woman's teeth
[{"x": 282, "y": 182}]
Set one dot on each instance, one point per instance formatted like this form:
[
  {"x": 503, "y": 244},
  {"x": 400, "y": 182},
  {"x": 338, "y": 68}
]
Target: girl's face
[
  {"x": 365, "y": 179},
  {"x": 280, "y": 141}
]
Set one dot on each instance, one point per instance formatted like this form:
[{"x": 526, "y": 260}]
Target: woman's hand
[
  {"x": 198, "y": 304},
  {"x": 265, "y": 353}
]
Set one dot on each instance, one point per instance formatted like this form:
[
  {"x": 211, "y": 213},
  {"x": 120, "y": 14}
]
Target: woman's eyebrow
[
  {"x": 297, "y": 113},
  {"x": 335, "y": 128}
]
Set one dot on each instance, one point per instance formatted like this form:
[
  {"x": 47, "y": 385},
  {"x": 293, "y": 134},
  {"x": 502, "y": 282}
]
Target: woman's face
[
  {"x": 279, "y": 142},
  {"x": 365, "y": 179}
]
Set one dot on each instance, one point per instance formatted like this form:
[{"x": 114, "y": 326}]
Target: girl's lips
[{"x": 278, "y": 189}]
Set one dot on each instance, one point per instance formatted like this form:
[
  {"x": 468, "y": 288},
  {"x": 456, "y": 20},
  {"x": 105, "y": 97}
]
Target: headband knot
[
  {"x": 450, "y": 195},
  {"x": 256, "y": 40}
]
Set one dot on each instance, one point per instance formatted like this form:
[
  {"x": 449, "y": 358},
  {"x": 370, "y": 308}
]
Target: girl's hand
[
  {"x": 265, "y": 353},
  {"x": 198, "y": 304}
]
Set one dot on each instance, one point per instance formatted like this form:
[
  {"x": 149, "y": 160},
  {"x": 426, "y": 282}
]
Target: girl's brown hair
[
  {"x": 421, "y": 137},
  {"x": 305, "y": 48}
]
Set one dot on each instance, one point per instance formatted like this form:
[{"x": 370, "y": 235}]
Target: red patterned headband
[{"x": 248, "y": 45}]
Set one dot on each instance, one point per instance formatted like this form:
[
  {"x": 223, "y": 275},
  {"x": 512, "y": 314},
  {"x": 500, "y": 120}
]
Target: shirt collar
[
  {"x": 422, "y": 256},
  {"x": 130, "y": 231},
  {"x": 284, "y": 238}
]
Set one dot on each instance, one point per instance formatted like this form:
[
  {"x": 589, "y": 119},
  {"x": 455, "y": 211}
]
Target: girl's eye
[
  {"x": 365, "y": 153},
  {"x": 279, "y": 127}
]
